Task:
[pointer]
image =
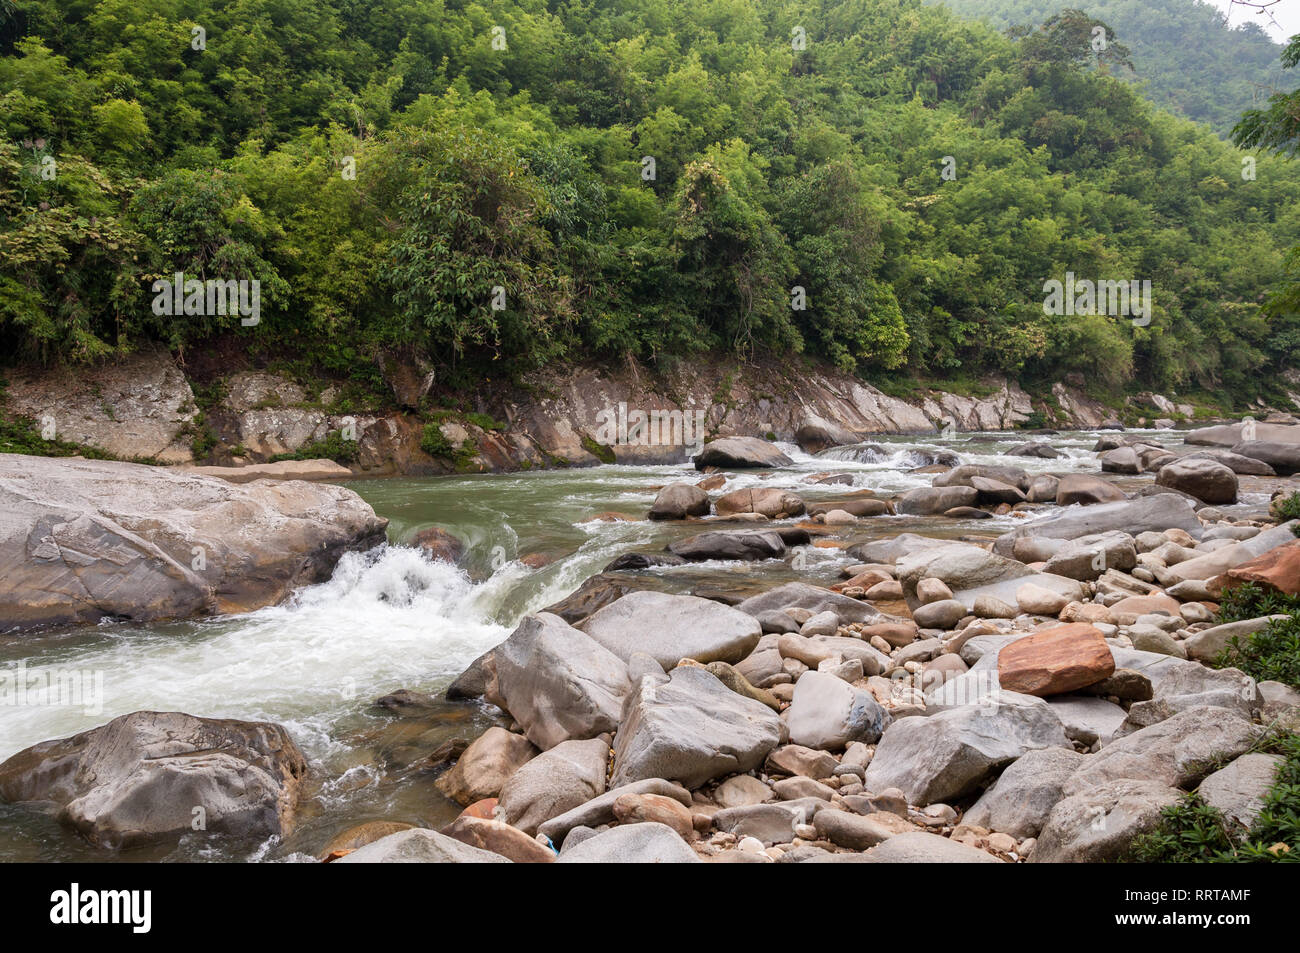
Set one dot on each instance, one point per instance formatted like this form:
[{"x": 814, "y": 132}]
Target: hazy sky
[{"x": 1286, "y": 13}]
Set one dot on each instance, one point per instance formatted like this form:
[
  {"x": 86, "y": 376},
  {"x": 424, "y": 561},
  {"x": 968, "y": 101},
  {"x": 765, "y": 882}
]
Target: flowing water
[{"x": 393, "y": 619}]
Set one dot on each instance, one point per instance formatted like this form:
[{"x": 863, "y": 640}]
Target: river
[{"x": 392, "y": 619}]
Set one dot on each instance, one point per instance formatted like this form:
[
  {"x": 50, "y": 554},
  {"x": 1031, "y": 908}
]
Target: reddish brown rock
[
  {"x": 1277, "y": 570},
  {"x": 1055, "y": 661},
  {"x": 485, "y": 767},
  {"x": 1126, "y": 610},
  {"x": 896, "y": 634},
  {"x": 863, "y": 580},
  {"x": 655, "y": 808},
  {"x": 714, "y": 481},
  {"x": 500, "y": 838},
  {"x": 773, "y": 504},
  {"x": 439, "y": 544},
  {"x": 486, "y": 808}
]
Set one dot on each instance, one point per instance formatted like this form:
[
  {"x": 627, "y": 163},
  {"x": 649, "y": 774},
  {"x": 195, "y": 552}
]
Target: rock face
[
  {"x": 558, "y": 682},
  {"x": 670, "y": 628},
  {"x": 948, "y": 754},
  {"x": 1207, "y": 480},
  {"x": 1055, "y": 661},
  {"x": 82, "y": 540},
  {"x": 1099, "y": 824},
  {"x": 137, "y": 408},
  {"x": 735, "y": 453},
  {"x": 827, "y": 713},
  {"x": 139, "y": 778},
  {"x": 420, "y": 846},
  {"x": 1021, "y": 800},
  {"x": 691, "y": 729}
]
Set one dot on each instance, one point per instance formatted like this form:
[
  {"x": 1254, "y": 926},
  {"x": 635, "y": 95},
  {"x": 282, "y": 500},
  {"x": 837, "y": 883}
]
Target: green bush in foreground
[
  {"x": 1193, "y": 832},
  {"x": 1249, "y": 601},
  {"x": 1272, "y": 654}
]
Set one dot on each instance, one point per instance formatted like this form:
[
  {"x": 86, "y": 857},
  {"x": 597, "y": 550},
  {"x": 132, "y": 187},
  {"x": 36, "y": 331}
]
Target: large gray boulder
[
  {"x": 149, "y": 776},
  {"x": 746, "y": 545},
  {"x": 646, "y": 843},
  {"x": 1085, "y": 490},
  {"x": 1284, "y": 458},
  {"x": 1100, "y": 823},
  {"x": 736, "y": 453},
  {"x": 1176, "y": 752},
  {"x": 556, "y": 781},
  {"x": 1020, "y": 801},
  {"x": 83, "y": 540},
  {"x": 1244, "y": 466},
  {"x": 933, "y": 500},
  {"x": 558, "y": 682},
  {"x": 1228, "y": 435},
  {"x": 971, "y": 571},
  {"x": 1088, "y": 557},
  {"x": 1238, "y": 790},
  {"x": 1158, "y": 513},
  {"x": 1207, "y": 480},
  {"x": 966, "y": 474},
  {"x": 678, "y": 501},
  {"x": 691, "y": 729},
  {"x": 670, "y": 628},
  {"x": 951, "y": 753},
  {"x": 420, "y": 846},
  {"x": 816, "y": 600},
  {"x": 827, "y": 713}
]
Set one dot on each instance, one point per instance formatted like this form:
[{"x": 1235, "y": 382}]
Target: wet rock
[
  {"x": 670, "y": 628},
  {"x": 747, "y": 545},
  {"x": 772, "y": 503},
  {"x": 360, "y": 835},
  {"x": 499, "y": 838},
  {"x": 735, "y": 453},
  {"x": 138, "y": 778},
  {"x": 1044, "y": 451},
  {"x": 678, "y": 501}
]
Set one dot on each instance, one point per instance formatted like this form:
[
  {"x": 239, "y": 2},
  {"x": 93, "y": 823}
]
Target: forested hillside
[
  {"x": 497, "y": 185},
  {"x": 1192, "y": 59}
]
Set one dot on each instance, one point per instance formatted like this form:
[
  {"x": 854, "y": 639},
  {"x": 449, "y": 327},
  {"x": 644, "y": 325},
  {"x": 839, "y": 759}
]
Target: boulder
[
  {"x": 996, "y": 491},
  {"x": 1100, "y": 823},
  {"x": 944, "y": 614},
  {"x": 1207, "y": 480},
  {"x": 558, "y": 682},
  {"x": 1055, "y": 661},
  {"x": 737, "y": 453},
  {"x": 1205, "y": 645},
  {"x": 678, "y": 501},
  {"x": 486, "y": 765},
  {"x": 828, "y": 713},
  {"x": 1121, "y": 460},
  {"x": 1229, "y": 557},
  {"x": 691, "y": 729},
  {"x": 801, "y": 761},
  {"x": 360, "y": 835},
  {"x": 1161, "y": 512},
  {"x": 648, "y": 843},
  {"x": 556, "y": 781},
  {"x": 1088, "y": 719},
  {"x": 1275, "y": 571},
  {"x": 919, "y": 847},
  {"x": 420, "y": 846},
  {"x": 965, "y": 475},
  {"x": 670, "y": 628},
  {"x": 1043, "y": 489},
  {"x": 139, "y": 778},
  {"x": 1088, "y": 557},
  {"x": 814, "y": 435},
  {"x": 815, "y": 599},
  {"x": 1043, "y": 451},
  {"x": 439, "y": 545},
  {"x": 1238, "y": 790},
  {"x": 772, "y": 503},
  {"x": 84, "y": 540},
  {"x": 1086, "y": 490},
  {"x": 1284, "y": 458},
  {"x": 949, "y": 754},
  {"x": 1037, "y": 600},
  {"x": 1244, "y": 466},
  {"x": 747, "y": 545},
  {"x": 1176, "y": 752},
  {"x": 931, "y": 501},
  {"x": 1021, "y": 800}
]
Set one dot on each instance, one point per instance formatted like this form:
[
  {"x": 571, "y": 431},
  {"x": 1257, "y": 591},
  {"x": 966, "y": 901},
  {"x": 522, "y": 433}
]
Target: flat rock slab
[
  {"x": 691, "y": 729},
  {"x": 1055, "y": 661},
  {"x": 670, "y": 628}
]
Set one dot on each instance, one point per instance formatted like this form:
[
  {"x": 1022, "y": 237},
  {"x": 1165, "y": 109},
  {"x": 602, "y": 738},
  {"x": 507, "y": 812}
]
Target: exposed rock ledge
[
  {"x": 83, "y": 540},
  {"x": 145, "y": 408}
]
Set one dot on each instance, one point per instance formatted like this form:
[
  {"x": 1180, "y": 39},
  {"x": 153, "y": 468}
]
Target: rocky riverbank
[
  {"x": 147, "y": 408},
  {"x": 1035, "y": 694}
]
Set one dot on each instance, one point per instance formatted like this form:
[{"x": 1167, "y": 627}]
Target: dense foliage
[
  {"x": 498, "y": 185},
  {"x": 1190, "y": 57}
]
